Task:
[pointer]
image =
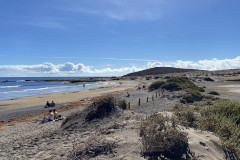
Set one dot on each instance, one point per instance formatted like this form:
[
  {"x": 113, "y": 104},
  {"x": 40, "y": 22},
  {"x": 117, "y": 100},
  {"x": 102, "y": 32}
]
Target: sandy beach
[
  {"x": 35, "y": 104},
  {"x": 26, "y": 138}
]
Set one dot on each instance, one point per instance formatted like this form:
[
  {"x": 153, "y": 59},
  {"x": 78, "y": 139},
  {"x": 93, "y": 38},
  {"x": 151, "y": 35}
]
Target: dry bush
[
  {"x": 160, "y": 138},
  {"x": 101, "y": 108},
  {"x": 122, "y": 104},
  {"x": 110, "y": 128},
  {"x": 92, "y": 147}
]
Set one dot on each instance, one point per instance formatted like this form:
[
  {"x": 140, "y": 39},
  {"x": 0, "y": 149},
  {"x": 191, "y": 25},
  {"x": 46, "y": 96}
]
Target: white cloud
[
  {"x": 154, "y": 64},
  {"x": 44, "y": 68},
  {"x": 213, "y": 64},
  {"x": 69, "y": 68}
]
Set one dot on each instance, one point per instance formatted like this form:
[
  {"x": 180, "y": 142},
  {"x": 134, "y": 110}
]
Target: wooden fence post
[
  {"x": 128, "y": 105},
  {"x": 147, "y": 99}
]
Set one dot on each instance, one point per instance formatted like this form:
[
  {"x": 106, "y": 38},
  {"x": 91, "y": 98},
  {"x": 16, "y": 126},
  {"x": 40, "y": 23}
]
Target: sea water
[{"x": 13, "y": 87}]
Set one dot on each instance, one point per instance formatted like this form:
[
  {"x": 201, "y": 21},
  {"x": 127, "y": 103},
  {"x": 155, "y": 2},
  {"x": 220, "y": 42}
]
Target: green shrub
[
  {"x": 155, "y": 85},
  {"x": 208, "y": 79},
  {"x": 160, "y": 139},
  {"x": 156, "y": 77},
  {"x": 192, "y": 96},
  {"x": 214, "y": 93},
  {"x": 173, "y": 86},
  {"x": 186, "y": 117},
  {"x": 223, "y": 119},
  {"x": 148, "y": 77},
  {"x": 180, "y": 83}
]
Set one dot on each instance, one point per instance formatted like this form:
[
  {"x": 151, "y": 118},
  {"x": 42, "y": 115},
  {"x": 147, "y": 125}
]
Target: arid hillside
[{"x": 160, "y": 70}]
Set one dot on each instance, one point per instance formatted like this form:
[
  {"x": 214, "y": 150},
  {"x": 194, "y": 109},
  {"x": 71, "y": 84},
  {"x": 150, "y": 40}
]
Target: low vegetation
[
  {"x": 161, "y": 139},
  {"x": 208, "y": 79},
  {"x": 193, "y": 92},
  {"x": 156, "y": 85},
  {"x": 92, "y": 147},
  {"x": 101, "y": 108},
  {"x": 221, "y": 117},
  {"x": 214, "y": 93},
  {"x": 122, "y": 104}
]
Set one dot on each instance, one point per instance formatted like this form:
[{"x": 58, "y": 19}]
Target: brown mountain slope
[{"x": 160, "y": 70}]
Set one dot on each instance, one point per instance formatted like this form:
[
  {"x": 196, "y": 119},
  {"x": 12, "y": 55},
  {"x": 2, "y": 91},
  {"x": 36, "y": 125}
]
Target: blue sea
[{"x": 28, "y": 86}]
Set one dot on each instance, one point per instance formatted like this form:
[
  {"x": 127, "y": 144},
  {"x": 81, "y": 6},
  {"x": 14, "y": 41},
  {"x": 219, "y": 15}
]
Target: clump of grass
[
  {"x": 101, "y": 108},
  {"x": 160, "y": 138},
  {"x": 122, "y": 104},
  {"x": 156, "y": 77},
  {"x": 214, "y": 93},
  {"x": 186, "y": 118},
  {"x": 91, "y": 148},
  {"x": 156, "y": 85},
  {"x": 148, "y": 77},
  {"x": 208, "y": 79}
]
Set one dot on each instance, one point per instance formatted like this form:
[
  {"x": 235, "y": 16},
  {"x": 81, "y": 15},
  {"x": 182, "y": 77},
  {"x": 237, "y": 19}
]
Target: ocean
[{"x": 28, "y": 86}]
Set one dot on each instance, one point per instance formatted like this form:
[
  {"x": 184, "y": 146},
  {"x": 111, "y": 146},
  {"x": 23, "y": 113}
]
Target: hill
[{"x": 160, "y": 70}]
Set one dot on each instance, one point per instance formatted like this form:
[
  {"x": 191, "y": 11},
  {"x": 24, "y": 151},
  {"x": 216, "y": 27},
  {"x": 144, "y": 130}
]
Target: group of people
[
  {"x": 52, "y": 116},
  {"x": 50, "y": 104}
]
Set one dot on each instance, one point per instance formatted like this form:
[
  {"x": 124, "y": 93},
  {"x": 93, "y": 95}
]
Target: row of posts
[{"x": 139, "y": 100}]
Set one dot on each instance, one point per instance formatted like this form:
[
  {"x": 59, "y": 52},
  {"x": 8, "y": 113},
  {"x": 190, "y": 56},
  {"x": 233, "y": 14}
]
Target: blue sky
[{"x": 115, "y": 37}]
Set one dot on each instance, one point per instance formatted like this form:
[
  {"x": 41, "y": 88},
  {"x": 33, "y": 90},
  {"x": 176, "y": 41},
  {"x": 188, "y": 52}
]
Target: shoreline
[
  {"x": 24, "y": 106},
  {"x": 22, "y": 89}
]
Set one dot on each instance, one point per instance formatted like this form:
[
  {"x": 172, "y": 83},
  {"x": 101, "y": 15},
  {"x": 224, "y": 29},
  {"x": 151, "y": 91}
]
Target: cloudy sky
[{"x": 115, "y": 37}]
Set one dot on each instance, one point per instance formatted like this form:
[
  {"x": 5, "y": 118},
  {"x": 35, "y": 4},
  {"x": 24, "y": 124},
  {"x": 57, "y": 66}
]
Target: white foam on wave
[
  {"x": 10, "y": 86},
  {"x": 37, "y": 89}
]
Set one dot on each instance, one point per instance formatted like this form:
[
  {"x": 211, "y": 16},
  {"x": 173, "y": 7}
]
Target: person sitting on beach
[
  {"x": 50, "y": 116},
  {"x": 128, "y": 95},
  {"x": 45, "y": 118},
  {"x": 47, "y": 105},
  {"x": 55, "y": 114},
  {"x": 53, "y": 104}
]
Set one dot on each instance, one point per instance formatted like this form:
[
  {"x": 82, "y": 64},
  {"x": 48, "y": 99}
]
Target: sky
[{"x": 116, "y": 37}]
